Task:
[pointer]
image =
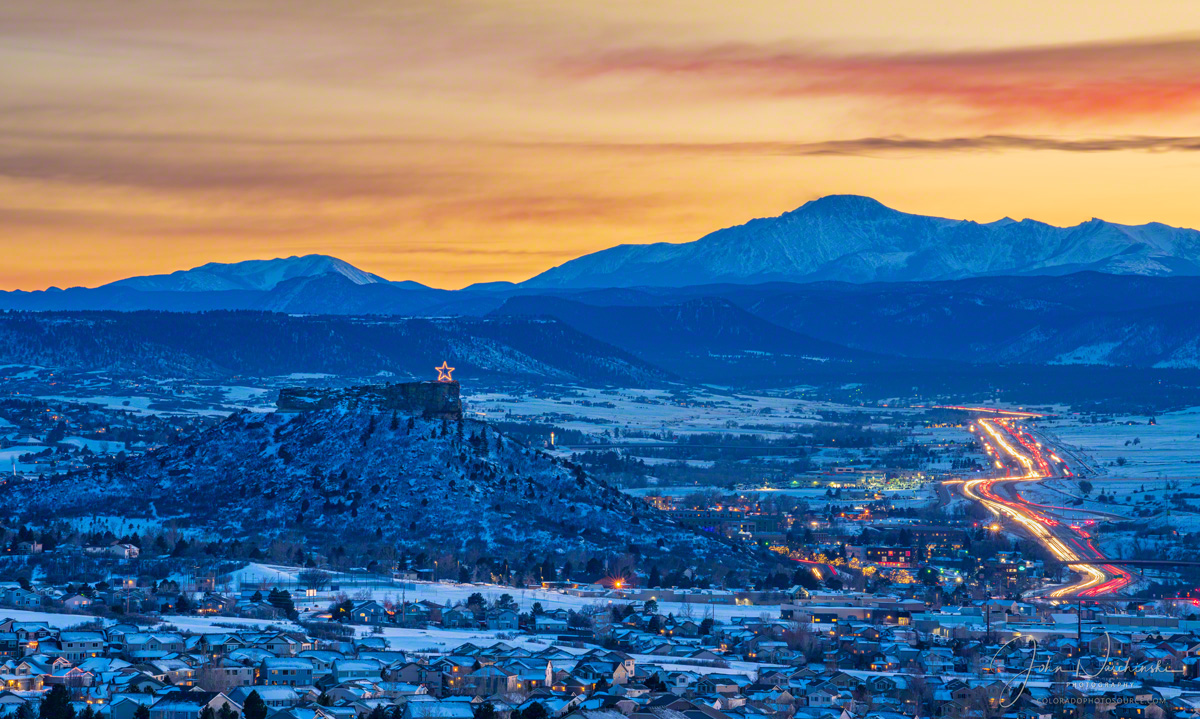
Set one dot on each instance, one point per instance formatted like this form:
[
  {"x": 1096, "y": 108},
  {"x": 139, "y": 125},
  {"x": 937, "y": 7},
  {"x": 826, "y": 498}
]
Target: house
[
  {"x": 437, "y": 710},
  {"x": 11, "y": 703},
  {"x": 345, "y": 670},
  {"x": 76, "y": 603},
  {"x": 548, "y": 623},
  {"x": 286, "y": 671},
  {"x": 77, "y": 646},
  {"x": 489, "y": 680},
  {"x": 225, "y": 672},
  {"x": 276, "y": 697},
  {"x": 189, "y": 704},
  {"x": 459, "y": 618},
  {"x": 416, "y": 614},
  {"x": 503, "y": 620},
  {"x": 369, "y": 612}
]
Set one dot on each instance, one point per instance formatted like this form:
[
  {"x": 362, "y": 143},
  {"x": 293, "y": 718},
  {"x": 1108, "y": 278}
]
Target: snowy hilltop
[{"x": 355, "y": 474}]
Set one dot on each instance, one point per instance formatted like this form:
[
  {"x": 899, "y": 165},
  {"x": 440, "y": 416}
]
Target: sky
[{"x": 459, "y": 141}]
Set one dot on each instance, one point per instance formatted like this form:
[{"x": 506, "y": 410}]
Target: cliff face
[{"x": 431, "y": 400}]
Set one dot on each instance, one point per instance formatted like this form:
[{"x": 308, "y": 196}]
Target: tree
[
  {"x": 255, "y": 707},
  {"x": 650, "y": 607},
  {"x": 208, "y": 713},
  {"x": 655, "y": 579},
  {"x": 534, "y": 711},
  {"x": 314, "y": 579},
  {"x": 226, "y": 712},
  {"x": 1085, "y": 487},
  {"x": 142, "y": 712},
  {"x": 282, "y": 599},
  {"x": 485, "y": 711},
  {"x": 25, "y": 711},
  {"x": 57, "y": 704},
  {"x": 1121, "y": 461}
]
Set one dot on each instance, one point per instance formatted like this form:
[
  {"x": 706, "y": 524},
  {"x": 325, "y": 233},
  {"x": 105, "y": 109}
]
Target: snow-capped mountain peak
[
  {"x": 249, "y": 275},
  {"x": 858, "y": 239}
]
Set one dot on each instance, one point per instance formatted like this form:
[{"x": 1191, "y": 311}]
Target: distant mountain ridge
[
  {"x": 857, "y": 239},
  {"x": 219, "y": 344},
  {"x": 706, "y": 339},
  {"x": 248, "y": 275}
]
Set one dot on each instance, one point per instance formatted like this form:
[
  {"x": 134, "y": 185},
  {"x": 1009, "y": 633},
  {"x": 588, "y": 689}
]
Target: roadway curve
[{"x": 1022, "y": 459}]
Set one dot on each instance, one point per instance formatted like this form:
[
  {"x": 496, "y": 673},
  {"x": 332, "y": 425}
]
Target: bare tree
[{"x": 314, "y": 579}]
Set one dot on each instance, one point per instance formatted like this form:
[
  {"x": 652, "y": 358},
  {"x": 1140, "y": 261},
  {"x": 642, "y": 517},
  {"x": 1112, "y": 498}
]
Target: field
[{"x": 1168, "y": 448}]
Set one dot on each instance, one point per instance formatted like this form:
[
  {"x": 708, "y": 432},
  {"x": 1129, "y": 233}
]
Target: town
[{"x": 574, "y": 649}]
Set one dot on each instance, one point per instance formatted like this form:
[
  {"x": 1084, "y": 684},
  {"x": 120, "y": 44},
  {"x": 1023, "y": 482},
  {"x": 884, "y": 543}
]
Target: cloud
[
  {"x": 882, "y": 145},
  {"x": 1109, "y": 80},
  {"x": 253, "y": 175}
]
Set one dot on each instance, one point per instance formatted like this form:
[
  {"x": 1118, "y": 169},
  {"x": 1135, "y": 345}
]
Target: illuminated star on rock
[{"x": 444, "y": 372}]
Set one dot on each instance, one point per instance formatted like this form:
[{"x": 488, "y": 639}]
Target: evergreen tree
[
  {"x": 57, "y": 704},
  {"x": 143, "y": 711},
  {"x": 655, "y": 579},
  {"x": 255, "y": 707},
  {"x": 535, "y": 710},
  {"x": 485, "y": 711}
]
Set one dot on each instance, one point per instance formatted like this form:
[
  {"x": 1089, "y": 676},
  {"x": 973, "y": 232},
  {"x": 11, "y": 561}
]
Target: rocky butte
[{"x": 431, "y": 400}]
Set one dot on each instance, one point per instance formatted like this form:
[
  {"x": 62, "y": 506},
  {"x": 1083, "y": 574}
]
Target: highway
[{"x": 1018, "y": 457}]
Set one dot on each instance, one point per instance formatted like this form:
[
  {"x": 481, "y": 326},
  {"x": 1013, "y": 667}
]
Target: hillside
[
  {"x": 857, "y": 239},
  {"x": 705, "y": 339},
  {"x": 218, "y": 344},
  {"x": 355, "y": 474}
]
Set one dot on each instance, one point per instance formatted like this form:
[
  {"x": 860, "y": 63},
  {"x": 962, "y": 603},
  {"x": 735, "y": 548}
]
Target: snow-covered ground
[
  {"x": 99, "y": 446},
  {"x": 1169, "y": 448},
  {"x": 657, "y": 410},
  {"x": 256, "y": 576},
  {"x": 9, "y": 458}
]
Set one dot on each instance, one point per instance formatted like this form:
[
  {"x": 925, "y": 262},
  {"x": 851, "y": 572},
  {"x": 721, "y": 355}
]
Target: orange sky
[{"x": 452, "y": 142}]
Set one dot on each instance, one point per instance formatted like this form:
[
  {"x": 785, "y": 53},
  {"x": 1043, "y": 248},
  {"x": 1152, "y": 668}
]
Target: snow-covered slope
[
  {"x": 857, "y": 239},
  {"x": 356, "y": 474},
  {"x": 248, "y": 275}
]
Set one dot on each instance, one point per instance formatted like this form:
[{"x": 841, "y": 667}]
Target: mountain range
[
  {"x": 1025, "y": 293},
  {"x": 857, "y": 239}
]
